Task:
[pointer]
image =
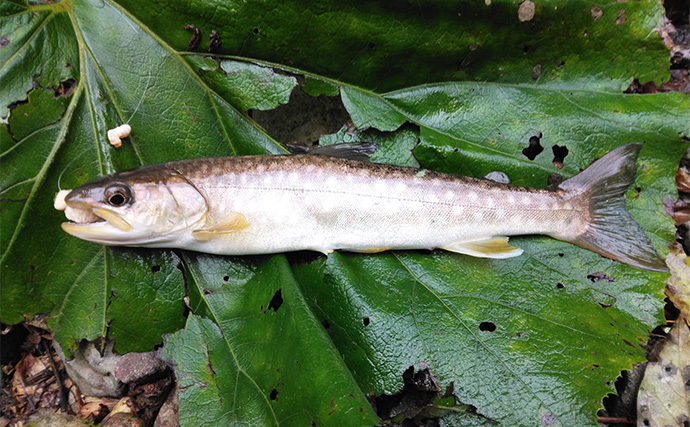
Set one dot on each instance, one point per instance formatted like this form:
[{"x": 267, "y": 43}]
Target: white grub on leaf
[
  {"x": 526, "y": 11},
  {"x": 115, "y": 135}
]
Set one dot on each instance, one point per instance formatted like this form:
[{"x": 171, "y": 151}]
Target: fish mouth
[{"x": 93, "y": 222}]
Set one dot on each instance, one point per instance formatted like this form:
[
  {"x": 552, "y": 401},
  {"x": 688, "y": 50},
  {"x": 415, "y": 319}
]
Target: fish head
[{"x": 141, "y": 207}]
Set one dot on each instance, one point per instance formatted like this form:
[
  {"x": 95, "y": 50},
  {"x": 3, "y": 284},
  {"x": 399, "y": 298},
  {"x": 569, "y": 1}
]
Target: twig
[{"x": 61, "y": 387}]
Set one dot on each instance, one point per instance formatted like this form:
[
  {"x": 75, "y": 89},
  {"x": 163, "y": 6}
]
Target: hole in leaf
[
  {"x": 326, "y": 324},
  {"x": 365, "y": 321},
  {"x": 226, "y": 278},
  {"x": 255, "y": 31},
  {"x": 214, "y": 41},
  {"x": 195, "y": 39},
  {"x": 670, "y": 369},
  {"x": 560, "y": 285},
  {"x": 155, "y": 269},
  {"x": 66, "y": 88},
  {"x": 408, "y": 406},
  {"x": 600, "y": 276},
  {"x": 605, "y": 300},
  {"x": 276, "y": 301},
  {"x": 536, "y": 72},
  {"x": 534, "y": 148},
  {"x": 553, "y": 180},
  {"x": 487, "y": 326},
  {"x": 559, "y": 153},
  {"x": 273, "y": 395}
]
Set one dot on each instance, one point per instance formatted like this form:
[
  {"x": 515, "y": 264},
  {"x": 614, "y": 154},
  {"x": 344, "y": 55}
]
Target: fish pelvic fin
[
  {"x": 611, "y": 231},
  {"x": 491, "y": 247}
]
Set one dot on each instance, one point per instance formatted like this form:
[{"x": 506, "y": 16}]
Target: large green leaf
[
  {"x": 507, "y": 339},
  {"x": 393, "y": 45},
  {"x": 250, "y": 304},
  {"x": 74, "y": 69}
]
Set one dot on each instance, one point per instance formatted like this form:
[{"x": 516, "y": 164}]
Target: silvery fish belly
[{"x": 270, "y": 204}]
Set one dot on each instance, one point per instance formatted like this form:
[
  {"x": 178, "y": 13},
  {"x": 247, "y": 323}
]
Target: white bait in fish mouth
[{"x": 81, "y": 215}]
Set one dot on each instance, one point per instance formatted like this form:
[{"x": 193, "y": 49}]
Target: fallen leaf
[
  {"x": 664, "y": 399},
  {"x": 683, "y": 181}
]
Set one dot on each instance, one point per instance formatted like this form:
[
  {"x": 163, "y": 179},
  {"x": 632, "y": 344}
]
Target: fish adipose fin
[
  {"x": 236, "y": 223},
  {"x": 610, "y": 230},
  {"x": 493, "y": 247}
]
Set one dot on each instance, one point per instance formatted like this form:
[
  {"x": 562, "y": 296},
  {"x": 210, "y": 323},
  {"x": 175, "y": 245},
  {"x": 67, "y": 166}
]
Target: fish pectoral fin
[
  {"x": 492, "y": 247},
  {"x": 236, "y": 223}
]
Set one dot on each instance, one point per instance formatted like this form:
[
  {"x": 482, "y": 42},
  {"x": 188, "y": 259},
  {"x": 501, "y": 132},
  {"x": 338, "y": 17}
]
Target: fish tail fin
[{"x": 611, "y": 231}]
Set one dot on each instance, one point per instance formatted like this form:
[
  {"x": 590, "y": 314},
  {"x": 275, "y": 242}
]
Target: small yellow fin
[
  {"x": 492, "y": 247},
  {"x": 371, "y": 250},
  {"x": 236, "y": 223}
]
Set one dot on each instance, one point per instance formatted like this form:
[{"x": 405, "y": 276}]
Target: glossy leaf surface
[{"x": 255, "y": 343}]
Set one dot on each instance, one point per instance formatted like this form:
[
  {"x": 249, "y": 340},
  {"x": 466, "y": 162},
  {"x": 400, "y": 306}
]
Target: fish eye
[{"x": 118, "y": 195}]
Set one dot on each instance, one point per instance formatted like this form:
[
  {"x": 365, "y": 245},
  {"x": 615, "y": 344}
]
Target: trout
[{"x": 269, "y": 204}]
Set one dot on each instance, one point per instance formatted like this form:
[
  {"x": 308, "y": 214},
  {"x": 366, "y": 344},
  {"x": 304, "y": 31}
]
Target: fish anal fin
[
  {"x": 371, "y": 250},
  {"x": 492, "y": 247},
  {"x": 235, "y": 223}
]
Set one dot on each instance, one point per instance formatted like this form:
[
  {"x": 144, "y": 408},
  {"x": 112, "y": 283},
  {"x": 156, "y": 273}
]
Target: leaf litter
[{"x": 39, "y": 381}]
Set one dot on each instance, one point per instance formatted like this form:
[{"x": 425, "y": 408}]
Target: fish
[{"x": 245, "y": 205}]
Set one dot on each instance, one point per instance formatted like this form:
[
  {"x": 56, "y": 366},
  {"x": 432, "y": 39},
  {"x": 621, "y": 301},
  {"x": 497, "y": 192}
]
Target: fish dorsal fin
[
  {"x": 348, "y": 150},
  {"x": 234, "y": 223},
  {"x": 492, "y": 247}
]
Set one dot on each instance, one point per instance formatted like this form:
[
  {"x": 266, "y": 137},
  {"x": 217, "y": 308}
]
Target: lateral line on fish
[{"x": 377, "y": 196}]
